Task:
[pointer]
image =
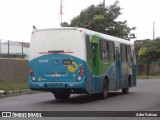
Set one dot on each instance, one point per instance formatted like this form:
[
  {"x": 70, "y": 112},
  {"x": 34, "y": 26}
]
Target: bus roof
[{"x": 90, "y": 33}]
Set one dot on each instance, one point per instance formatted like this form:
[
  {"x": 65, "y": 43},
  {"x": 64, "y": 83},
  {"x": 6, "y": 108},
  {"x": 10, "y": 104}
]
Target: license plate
[
  {"x": 55, "y": 84},
  {"x": 56, "y": 75}
]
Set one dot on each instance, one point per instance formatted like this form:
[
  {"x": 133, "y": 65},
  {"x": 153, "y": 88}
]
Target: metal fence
[
  {"x": 142, "y": 67},
  {"x": 145, "y": 62},
  {"x": 14, "y": 49}
]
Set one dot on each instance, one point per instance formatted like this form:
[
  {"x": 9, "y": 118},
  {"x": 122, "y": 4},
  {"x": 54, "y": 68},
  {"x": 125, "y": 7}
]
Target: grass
[
  {"x": 10, "y": 85},
  {"x": 148, "y": 76}
]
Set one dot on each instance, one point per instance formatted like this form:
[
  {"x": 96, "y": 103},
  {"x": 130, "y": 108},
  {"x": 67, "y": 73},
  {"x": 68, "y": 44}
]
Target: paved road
[{"x": 144, "y": 97}]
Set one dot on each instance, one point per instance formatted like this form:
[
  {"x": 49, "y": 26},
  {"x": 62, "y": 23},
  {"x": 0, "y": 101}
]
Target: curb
[{"x": 17, "y": 92}]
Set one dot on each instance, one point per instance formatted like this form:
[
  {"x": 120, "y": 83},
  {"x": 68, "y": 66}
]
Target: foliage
[
  {"x": 10, "y": 85},
  {"x": 143, "y": 52},
  {"x": 104, "y": 20},
  {"x": 150, "y": 52},
  {"x": 139, "y": 44},
  {"x": 64, "y": 24}
]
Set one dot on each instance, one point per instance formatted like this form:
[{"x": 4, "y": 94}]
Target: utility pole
[
  {"x": 103, "y": 3},
  {"x": 22, "y": 50},
  {"x": 61, "y": 10},
  {"x": 153, "y": 30},
  {"x": 8, "y": 49},
  {"x": 0, "y": 46}
]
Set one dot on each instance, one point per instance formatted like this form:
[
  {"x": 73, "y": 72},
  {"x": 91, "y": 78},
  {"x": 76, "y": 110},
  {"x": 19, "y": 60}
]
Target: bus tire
[
  {"x": 125, "y": 90},
  {"x": 104, "y": 93},
  {"x": 61, "y": 95}
]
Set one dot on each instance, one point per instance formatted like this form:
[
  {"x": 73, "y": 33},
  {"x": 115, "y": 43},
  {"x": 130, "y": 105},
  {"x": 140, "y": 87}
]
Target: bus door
[
  {"x": 95, "y": 61},
  {"x": 94, "y": 48},
  {"x": 94, "y": 58}
]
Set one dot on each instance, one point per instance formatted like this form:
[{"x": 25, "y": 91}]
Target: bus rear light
[
  {"x": 31, "y": 72},
  {"x": 82, "y": 69},
  {"x": 81, "y": 30},
  {"x": 80, "y": 73}
]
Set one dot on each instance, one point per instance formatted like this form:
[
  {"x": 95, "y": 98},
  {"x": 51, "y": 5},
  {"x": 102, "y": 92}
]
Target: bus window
[
  {"x": 111, "y": 51},
  {"x": 88, "y": 46},
  {"x": 123, "y": 52},
  {"x": 129, "y": 53},
  {"x": 126, "y": 52},
  {"x": 117, "y": 53},
  {"x": 104, "y": 50},
  {"x": 133, "y": 57},
  {"x": 94, "y": 54}
]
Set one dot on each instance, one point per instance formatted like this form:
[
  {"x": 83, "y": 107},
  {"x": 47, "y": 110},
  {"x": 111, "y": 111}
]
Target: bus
[{"x": 67, "y": 61}]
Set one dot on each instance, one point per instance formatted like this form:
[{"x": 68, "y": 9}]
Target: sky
[{"x": 18, "y": 16}]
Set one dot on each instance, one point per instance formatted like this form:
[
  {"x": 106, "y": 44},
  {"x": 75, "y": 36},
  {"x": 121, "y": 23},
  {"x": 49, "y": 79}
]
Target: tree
[
  {"x": 104, "y": 20},
  {"x": 64, "y": 24},
  {"x": 150, "y": 52},
  {"x": 138, "y": 44}
]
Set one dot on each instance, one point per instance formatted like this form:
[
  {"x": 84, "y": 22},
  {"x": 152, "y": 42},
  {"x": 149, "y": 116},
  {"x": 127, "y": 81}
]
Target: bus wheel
[
  {"x": 104, "y": 93},
  {"x": 62, "y": 95},
  {"x": 125, "y": 90}
]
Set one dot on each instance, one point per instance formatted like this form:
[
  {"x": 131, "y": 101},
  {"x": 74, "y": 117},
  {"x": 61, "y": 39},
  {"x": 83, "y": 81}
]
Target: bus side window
[
  {"x": 88, "y": 47},
  {"x": 117, "y": 53},
  {"x": 133, "y": 57},
  {"x": 126, "y": 52},
  {"x": 111, "y": 51},
  {"x": 104, "y": 50},
  {"x": 123, "y": 52},
  {"x": 129, "y": 54}
]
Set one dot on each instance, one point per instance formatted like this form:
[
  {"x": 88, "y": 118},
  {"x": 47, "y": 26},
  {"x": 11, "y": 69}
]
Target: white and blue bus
[{"x": 65, "y": 61}]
